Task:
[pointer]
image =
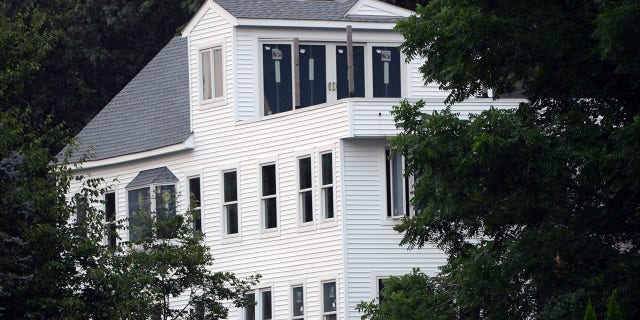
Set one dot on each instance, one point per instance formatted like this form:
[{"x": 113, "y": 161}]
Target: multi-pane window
[
  {"x": 305, "y": 186},
  {"x": 398, "y": 186},
  {"x": 110, "y": 218},
  {"x": 195, "y": 202},
  {"x": 250, "y": 309},
  {"x": 212, "y": 73},
  {"x": 140, "y": 204},
  {"x": 230, "y": 202},
  {"x": 269, "y": 197},
  {"x": 326, "y": 188},
  {"x": 297, "y": 303},
  {"x": 266, "y": 311},
  {"x": 329, "y": 301}
]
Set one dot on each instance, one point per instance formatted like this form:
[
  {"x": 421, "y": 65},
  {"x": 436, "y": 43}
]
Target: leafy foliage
[{"x": 538, "y": 208}]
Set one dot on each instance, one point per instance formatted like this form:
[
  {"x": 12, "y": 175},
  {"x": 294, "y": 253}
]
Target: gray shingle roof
[
  {"x": 331, "y": 10},
  {"x": 152, "y": 111},
  {"x": 151, "y": 176}
]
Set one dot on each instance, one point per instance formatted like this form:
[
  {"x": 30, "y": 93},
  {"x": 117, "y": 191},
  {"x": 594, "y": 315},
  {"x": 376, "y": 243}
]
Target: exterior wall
[{"x": 372, "y": 248}]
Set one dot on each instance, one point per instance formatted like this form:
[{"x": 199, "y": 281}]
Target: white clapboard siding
[
  {"x": 371, "y": 243},
  {"x": 418, "y": 88},
  {"x": 373, "y": 118}
]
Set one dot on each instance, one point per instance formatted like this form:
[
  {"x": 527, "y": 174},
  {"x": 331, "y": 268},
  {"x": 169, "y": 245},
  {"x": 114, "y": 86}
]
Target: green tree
[
  {"x": 537, "y": 208},
  {"x": 590, "y": 312}
]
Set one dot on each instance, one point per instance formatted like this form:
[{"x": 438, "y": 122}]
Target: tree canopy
[{"x": 538, "y": 208}]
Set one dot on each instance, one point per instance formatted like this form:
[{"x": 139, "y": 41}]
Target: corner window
[
  {"x": 195, "y": 202},
  {"x": 110, "y": 218},
  {"x": 266, "y": 311},
  {"x": 386, "y": 72},
  {"x": 305, "y": 191},
  {"x": 230, "y": 202},
  {"x": 326, "y": 188},
  {"x": 329, "y": 301},
  {"x": 211, "y": 73},
  {"x": 269, "y": 197},
  {"x": 297, "y": 302},
  {"x": 399, "y": 186}
]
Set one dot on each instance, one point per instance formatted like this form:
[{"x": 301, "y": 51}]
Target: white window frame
[
  {"x": 407, "y": 188},
  {"x": 301, "y": 192},
  {"x": 196, "y": 208},
  {"x": 324, "y": 313},
  {"x": 323, "y": 187},
  {"x": 212, "y": 47},
  {"x": 263, "y": 199},
  {"x": 304, "y": 304},
  {"x": 225, "y": 204},
  {"x": 261, "y": 303},
  {"x": 405, "y": 71}
]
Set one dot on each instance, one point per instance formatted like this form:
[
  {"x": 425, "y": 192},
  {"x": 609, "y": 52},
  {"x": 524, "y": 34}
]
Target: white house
[{"x": 251, "y": 111}]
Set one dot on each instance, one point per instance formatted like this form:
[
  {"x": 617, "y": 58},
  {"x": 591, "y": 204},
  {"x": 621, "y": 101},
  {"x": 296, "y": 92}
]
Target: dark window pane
[
  {"x": 230, "y": 186},
  {"x": 194, "y": 190},
  {"x": 231, "y": 212},
  {"x": 276, "y": 71},
  {"x": 270, "y": 213},
  {"x": 269, "y": 180},
  {"x": 165, "y": 202},
  {"x": 81, "y": 208},
  {"x": 327, "y": 197},
  {"x": 306, "y": 204},
  {"x": 312, "y": 75},
  {"x": 342, "y": 70},
  {"x": 380, "y": 288},
  {"x": 387, "y": 168},
  {"x": 266, "y": 305},
  {"x": 139, "y": 207},
  {"x": 304, "y": 165},
  {"x": 250, "y": 310},
  {"x": 298, "y": 301},
  {"x": 110, "y": 217},
  {"x": 327, "y": 168},
  {"x": 329, "y": 296},
  {"x": 386, "y": 72}
]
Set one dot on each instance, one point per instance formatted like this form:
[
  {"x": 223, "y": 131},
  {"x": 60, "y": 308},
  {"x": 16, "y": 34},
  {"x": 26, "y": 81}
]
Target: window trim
[
  {"x": 322, "y": 186},
  {"x": 276, "y": 195},
  {"x": 196, "y": 208},
  {"x": 225, "y": 232},
  {"x": 324, "y": 313},
  {"x": 260, "y": 303},
  {"x": 407, "y": 189},
  {"x": 304, "y": 302},
  {"x": 212, "y": 46},
  {"x": 299, "y": 191}
]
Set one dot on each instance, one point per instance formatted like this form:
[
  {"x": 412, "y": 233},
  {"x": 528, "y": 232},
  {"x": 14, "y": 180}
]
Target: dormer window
[{"x": 212, "y": 73}]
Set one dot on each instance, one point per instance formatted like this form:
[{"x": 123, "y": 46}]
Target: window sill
[
  {"x": 231, "y": 238},
  {"x": 389, "y": 221},
  {"x": 269, "y": 233},
  {"x": 213, "y": 102},
  {"x": 306, "y": 227},
  {"x": 328, "y": 223}
]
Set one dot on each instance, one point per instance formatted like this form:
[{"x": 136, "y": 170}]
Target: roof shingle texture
[
  {"x": 332, "y": 10},
  {"x": 153, "y": 176},
  {"x": 152, "y": 111}
]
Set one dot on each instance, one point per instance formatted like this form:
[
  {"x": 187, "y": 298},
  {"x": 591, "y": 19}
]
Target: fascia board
[{"x": 323, "y": 24}]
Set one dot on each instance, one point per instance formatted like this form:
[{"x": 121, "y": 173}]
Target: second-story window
[
  {"x": 269, "y": 197},
  {"x": 329, "y": 301},
  {"x": 110, "y": 218},
  {"x": 326, "y": 188},
  {"x": 277, "y": 78},
  {"x": 195, "y": 200},
  {"x": 297, "y": 303},
  {"x": 386, "y": 72},
  {"x": 212, "y": 73},
  {"x": 305, "y": 190},
  {"x": 398, "y": 185},
  {"x": 230, "y": 202}
]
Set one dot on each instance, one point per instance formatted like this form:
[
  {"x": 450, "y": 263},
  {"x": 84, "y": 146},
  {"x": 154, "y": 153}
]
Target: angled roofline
[
  {"x": 186, "y": 145},
  {"x": 398, "y": 11},
  {"x": 335, "y": 24},
  {"x": 209, "y": 4}
]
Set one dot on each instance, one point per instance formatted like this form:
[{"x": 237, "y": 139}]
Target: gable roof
[
  {"x": 328, "y": 10},
  {"x": 150, "y": 112},
  {"x": 151, "y": 176}
]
